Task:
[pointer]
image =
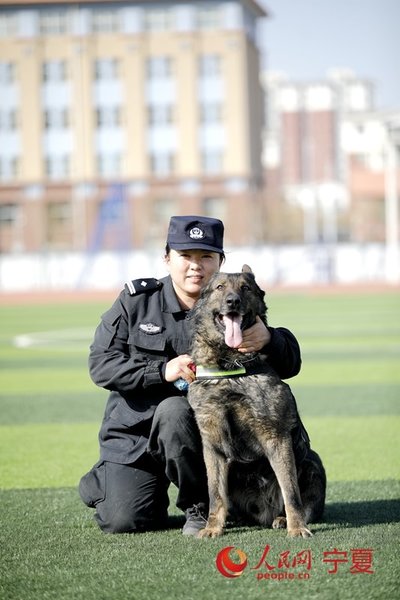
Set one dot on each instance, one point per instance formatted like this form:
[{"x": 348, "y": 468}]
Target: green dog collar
[{"x": 216, "y": 373}]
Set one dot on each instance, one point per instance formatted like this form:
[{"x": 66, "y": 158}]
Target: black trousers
[{"x": 133, "y": 497}]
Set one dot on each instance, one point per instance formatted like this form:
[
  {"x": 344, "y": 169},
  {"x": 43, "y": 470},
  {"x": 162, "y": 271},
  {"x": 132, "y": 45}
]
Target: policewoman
[{"x": 140, "y": 353}]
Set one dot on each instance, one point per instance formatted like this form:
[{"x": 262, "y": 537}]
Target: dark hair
[{"x": 221, "y": 258}]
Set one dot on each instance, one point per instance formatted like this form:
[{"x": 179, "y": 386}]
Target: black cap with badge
[{"x": 192, "y": 233}]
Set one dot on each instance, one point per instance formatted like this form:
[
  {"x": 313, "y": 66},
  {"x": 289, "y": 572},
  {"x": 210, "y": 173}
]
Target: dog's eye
[
  {"x": 245, "y": 288},
  {"x": 220, "y": 286}
]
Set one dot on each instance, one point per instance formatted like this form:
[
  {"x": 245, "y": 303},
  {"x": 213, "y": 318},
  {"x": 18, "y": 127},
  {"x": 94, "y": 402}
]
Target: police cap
[{"x": 196, "y": 233}]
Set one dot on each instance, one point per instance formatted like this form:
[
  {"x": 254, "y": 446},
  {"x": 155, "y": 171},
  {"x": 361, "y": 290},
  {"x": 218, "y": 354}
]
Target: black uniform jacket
[{"x": 137, "y": 336}]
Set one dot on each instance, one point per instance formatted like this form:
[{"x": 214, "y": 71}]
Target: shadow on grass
[
  {"x": 65, "y": 503},
  {"x": 363, "y": 512},
  {"x": 347, "y": 514}
]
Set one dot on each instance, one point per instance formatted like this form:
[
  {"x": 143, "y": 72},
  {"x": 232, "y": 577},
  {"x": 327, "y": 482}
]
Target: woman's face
[{"x": 190, "y": 271}]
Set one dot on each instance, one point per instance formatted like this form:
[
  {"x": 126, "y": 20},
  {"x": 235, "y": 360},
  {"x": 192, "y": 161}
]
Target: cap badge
[{"x": 196, "y": 233}]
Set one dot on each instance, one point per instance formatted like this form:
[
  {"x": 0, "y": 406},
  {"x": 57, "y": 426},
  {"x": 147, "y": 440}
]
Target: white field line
[{"x": 61, "y": 338}]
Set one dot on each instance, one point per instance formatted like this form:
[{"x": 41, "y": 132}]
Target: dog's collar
[{"x": 217, "y": 373}]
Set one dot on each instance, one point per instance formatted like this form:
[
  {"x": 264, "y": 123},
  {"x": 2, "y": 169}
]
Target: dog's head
[{"x": 233, "y": 300}]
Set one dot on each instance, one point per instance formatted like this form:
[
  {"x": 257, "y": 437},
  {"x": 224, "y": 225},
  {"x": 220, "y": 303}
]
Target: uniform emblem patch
[
  {"x": 196, "y": 233},
  {"x": 150, "y": 328}
]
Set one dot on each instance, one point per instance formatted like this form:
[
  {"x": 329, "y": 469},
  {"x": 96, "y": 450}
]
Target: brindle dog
[{"x": 247, "y": 421}]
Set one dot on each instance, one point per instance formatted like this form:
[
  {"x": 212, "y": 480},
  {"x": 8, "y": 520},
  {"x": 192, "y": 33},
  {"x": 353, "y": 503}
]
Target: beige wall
[{"x": 242, "y": 119}]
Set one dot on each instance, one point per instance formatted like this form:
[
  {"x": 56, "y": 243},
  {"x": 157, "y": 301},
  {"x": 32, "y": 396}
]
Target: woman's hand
[
  {"x": 255, "y": 337},
  {"x": 179, "y": 367}
]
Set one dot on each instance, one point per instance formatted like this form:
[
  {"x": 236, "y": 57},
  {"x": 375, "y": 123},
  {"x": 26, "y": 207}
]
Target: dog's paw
[
  {"x": 279, "y": 523},
  {"x": 300, "y": 532},
  {"x": 210, "y": 532}
]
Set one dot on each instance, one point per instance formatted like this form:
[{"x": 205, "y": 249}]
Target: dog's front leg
[
  {"x": 281, "y": 458},
  {"x": 217, "y": 475}
]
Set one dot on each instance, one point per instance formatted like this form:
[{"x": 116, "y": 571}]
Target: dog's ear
[
  {"x": 247, "y": 269},
  {"x": 260, "y": 292}
]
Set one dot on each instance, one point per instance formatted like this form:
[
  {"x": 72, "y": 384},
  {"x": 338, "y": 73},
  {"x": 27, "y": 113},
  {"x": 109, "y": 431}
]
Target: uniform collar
[{"x": 170, "y": 299}]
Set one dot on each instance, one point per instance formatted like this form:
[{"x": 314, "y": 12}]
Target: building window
[
  {"x": 8, "y": 214},
  {"x": 54, "y": 71},
  {"x": 212, "y": 162},
  {"x": 108, "y": 116},
  {"x": 8, "y": 120},
  {"x": 7, "y": 73},
  {"x": 210, "y": 65},
  {"x": 215, "y": 207},
  {"x": 209, "y": 16},
  {"x": 105, "y": 20},
  {"x": 210, "y": 113},
  {"x": 159, "y": 67},
  {"x": 162, "y": 114},
  {"x": 56, "y": 118},
  {"x": 57, "y": 167},
  {"x": 53, "y": 22},
  {"x": 8, "y": 24},
  {"x": 59, "y": 213},
  {"x": 9, "y": 168},
  {"x": 163, "y": 208},
  {"x": 109, "y": 165},
  {"x": 158, "y": 19},
  {"x": 162, "y": 164},
  {"x": 106, "y": 68},
  {"x": 58, "y": 223}
]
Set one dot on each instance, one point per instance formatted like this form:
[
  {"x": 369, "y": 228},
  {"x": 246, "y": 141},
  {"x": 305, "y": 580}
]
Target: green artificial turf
[{"x": 348, "y": 394}]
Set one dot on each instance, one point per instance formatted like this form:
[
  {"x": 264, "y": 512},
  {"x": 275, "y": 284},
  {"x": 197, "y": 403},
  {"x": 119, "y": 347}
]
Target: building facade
[
  {"x": 115, "y": 115},
  {"x": 326, "y": 156}
]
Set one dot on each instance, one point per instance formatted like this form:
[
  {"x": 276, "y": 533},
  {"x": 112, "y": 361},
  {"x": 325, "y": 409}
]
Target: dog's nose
[{"x": 232, "y": 301}]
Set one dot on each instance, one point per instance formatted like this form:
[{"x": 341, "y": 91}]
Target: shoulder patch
[{"x": 138, "y": 286}]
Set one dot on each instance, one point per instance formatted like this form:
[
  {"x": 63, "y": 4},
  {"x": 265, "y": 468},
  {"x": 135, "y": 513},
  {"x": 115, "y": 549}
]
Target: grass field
[{"x": 349, "y": 397}]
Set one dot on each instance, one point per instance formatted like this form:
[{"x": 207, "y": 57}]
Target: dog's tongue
[{"x": 233, "y": 333}]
